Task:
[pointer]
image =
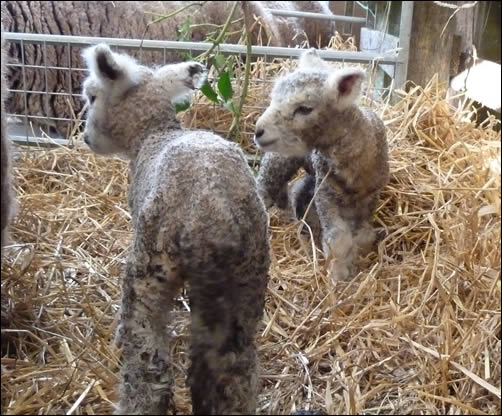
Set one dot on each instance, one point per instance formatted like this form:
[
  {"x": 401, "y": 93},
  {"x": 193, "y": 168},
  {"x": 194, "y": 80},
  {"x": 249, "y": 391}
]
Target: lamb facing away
[
  {"x": 126, "y": 19},
  {"x": 198, "y": 218},
  {"x": 313, "y": 121}
]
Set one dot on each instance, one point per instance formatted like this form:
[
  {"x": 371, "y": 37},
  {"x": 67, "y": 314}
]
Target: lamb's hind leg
[
  {"x": 146, "y": 382},
  {"x": 223, "y": 374}
]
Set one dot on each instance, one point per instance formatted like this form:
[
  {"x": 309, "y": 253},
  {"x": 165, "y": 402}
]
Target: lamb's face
[
  {"x": 126, "y": 100},
  {"x": 303, "y": 105},
  {"x": 296, "y": 107},
  {"x": 110, "y": 117}
]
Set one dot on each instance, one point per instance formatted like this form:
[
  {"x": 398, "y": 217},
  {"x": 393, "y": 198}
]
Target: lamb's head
[
  {"x": 304, "y": 105},
  {"x": 127, "y": 100}
]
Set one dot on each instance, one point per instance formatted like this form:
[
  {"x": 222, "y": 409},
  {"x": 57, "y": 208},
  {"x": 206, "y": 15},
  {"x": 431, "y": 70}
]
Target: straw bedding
[{"x": 417, "y": 331}]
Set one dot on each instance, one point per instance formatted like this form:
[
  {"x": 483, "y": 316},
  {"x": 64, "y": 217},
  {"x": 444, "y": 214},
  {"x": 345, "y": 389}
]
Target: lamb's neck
[
  {"x": 163, "y": 126},
  {"x": 337, "y": 135},
  {"x": 159, "y": 130}
]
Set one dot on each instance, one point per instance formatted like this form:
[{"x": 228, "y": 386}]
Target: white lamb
[
  {"x": 198, "y": 219},
  {"x": 313, "y": 121}
]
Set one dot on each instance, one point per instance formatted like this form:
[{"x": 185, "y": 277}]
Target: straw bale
[{"x": 417, "y": 331}]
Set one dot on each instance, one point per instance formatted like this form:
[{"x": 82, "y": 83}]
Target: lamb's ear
[
  {"x": 345, "y": 86},
  {"x": 197, "y": 74},
  {"x": 180, "y": 79},
  {"x": 310, "y": 59},
  {"x": 107, "y": 65}
]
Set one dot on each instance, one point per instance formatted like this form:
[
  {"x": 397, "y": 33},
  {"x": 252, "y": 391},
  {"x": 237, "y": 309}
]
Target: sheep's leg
[
  {"x": 275, "y": 172},
  {"x": 337, "y": 239},
  {"x": 301, "y": 194},
  {"x": 364, "y": 237},
  {"x": 339, "y": 249},
  {"x": 223, "y": 374},
  {"x": 146, "y": 382}
]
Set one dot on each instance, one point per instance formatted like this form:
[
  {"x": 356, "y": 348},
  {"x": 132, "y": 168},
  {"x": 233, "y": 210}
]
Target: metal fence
[{"x": 25, "y": 133}]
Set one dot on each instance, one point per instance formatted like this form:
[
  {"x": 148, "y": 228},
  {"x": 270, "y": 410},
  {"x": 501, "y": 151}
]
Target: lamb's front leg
[
  {"x": 364, "y": 238},
  {"x": 145, "y": 381},
  {"x": 337, "y": 238},
  {"x": 301, "y": 194},
  {"x": 275, "y": 172}
]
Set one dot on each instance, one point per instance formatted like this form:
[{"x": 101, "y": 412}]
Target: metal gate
[{"x": 24, "y": 133}]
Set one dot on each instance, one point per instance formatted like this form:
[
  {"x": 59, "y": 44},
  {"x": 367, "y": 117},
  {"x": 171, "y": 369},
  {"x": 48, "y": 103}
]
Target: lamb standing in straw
[
  {"x": 313, "y": 121},
  {"x": 198, "y": 218}
]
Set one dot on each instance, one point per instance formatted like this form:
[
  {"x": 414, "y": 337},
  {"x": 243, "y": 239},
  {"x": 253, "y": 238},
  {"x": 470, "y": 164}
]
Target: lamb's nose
[{"x": 259, "y": 133}]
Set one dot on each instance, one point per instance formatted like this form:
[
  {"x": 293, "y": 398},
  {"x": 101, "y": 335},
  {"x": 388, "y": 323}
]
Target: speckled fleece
[
  {"x": 198, "y": 219},
  {"x": 337, "y": 137}
]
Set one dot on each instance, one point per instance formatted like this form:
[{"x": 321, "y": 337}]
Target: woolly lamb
[
  {"x": 198, "y": 218},
  {"x": 313, "y": 121},
  {"x": 106, "y": 19}
]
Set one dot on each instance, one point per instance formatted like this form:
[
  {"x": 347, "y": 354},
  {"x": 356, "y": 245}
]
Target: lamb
[
  {"x": 197, "y": 218},
  {"x": 106, "y": 19},
  {"x": 313, "y": 122},
  {"x": 7, "y": 202}
]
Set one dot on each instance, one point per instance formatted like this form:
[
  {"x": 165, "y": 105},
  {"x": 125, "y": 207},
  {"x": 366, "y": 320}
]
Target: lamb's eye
[
  {"x": 303, "y": 110},
  {"x": 92, "y": 98}
]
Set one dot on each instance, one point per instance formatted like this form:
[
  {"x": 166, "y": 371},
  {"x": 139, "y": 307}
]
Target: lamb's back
[{"x": 195, "y": 193}]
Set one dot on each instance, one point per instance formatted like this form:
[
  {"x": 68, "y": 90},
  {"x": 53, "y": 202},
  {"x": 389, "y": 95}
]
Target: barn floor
[{"x": 417, "y": 331}]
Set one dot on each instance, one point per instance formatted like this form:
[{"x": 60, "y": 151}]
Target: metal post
[{"x": 401, "y": 71}]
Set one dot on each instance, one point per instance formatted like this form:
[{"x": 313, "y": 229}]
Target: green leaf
[
  {"x": 230, "y": 67},
  {"x": 184, "y": 31},
  {"x": 186, "y": 28},
  {"x": 225, "y": 86},
  {"x": 182, "y": 106},
  {"x": 219, "y": 61},
  {"x": 208, "y": 91},
  {"x": 186, "y": 56}
]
